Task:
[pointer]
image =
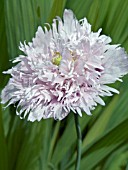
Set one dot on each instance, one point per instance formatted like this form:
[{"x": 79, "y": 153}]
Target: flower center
[{"x": 56, "y": 58}]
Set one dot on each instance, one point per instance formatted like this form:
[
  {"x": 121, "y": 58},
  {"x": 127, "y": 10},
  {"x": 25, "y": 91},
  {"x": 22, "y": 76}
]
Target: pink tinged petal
[
  {"x": 63, "y": 114},
  {"x": 37, "y": 114},
  {"x": 40, "y": 39},
  {"x": 8, "y": 92},
  {"x": 49, "y": 76},
  {"x": 79, "y": 111},
  {"x": 107, "y": 79},
  {"x": 47, "y": 96},
  {"x": 63, "y": 67},
  {"x": 25, "y": 48},
  {"x": 66, "y": 109},
  {"x": 84, "y": 106},
  {"x": 57, "y": 112},
  {"x": 60, "y": 27},
  {"x": 87, "y": 110},
  {"x": 7, "y": 72},
  {"x": 31, "y": 117},
  {"x": 78, "y": 65},
  {"x": 12, "y": 101},
  {"x": 73, "y": 109},
  {"x": 110, "y": 47},
  {"x": 115, "y": 64},
  {"x": 75, "y": 99},
  {"x": 59, "y": 80},
  {"x": 100, "y": 101},
  {"x": 27, "y": 111},
  {"x": 54, "y": 30},
  {"x": 105, "y": 39},
  {"x": 18, "y": 59},
  {"x": 69, "y": 22},
  {"x": 119, "y": 79},
  {"x": 60, "y": 95},
  {"x": 21, "y": 47},
  {"x": 86, "y": 27},
  {"x": 109, "y": 89}
]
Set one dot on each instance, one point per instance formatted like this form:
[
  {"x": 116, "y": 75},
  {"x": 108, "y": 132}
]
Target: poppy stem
[{"x": 79, "y": 141}]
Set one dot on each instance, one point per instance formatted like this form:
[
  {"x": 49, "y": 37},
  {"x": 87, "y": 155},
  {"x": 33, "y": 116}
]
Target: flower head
[{"x": 66, "y": 68}]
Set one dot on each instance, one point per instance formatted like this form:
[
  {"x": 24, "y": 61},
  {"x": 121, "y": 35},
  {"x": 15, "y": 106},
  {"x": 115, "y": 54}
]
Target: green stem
[
  {"x": 53, "y": 140},
  {"x": 79, "y": 141}
]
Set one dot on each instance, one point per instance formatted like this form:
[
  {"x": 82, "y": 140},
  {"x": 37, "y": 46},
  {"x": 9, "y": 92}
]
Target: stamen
[{"x": 57, "y": 58}]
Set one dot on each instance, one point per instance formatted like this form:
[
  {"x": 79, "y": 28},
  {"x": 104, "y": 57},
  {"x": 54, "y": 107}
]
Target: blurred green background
[{"x": 51, "y": 145}]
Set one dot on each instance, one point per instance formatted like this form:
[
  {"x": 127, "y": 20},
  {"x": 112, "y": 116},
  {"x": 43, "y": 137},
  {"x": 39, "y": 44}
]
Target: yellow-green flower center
[{"x": 57, "y": 59}]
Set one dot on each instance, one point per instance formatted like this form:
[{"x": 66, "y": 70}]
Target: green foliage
[{"x": 49, "y": 144}]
